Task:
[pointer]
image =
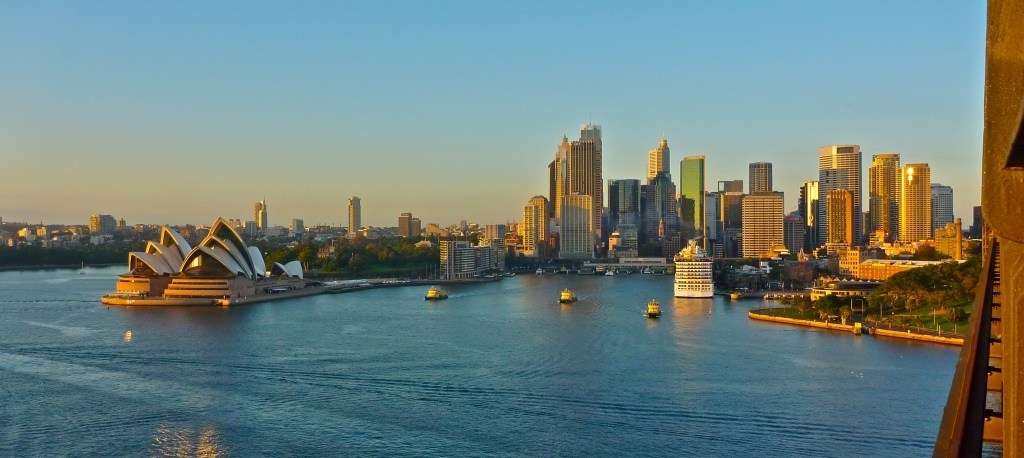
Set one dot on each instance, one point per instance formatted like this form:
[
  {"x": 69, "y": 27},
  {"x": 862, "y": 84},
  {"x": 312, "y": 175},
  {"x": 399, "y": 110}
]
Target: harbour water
[{"x": 496, "y": 369}]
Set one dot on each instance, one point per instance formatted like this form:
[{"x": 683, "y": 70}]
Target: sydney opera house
[{"x": 220, "y": 270}]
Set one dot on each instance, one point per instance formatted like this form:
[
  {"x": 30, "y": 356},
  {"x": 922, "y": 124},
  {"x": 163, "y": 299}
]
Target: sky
[{"x": 181, "y": 112}]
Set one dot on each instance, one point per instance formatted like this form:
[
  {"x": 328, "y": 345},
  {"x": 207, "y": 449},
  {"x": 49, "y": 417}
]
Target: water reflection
[
  {"x": 184, "y": 441},
  {"x": 128, "y": 335}
]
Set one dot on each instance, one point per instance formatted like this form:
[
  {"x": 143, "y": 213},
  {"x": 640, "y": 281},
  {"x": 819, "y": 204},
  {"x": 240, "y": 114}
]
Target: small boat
[
  {"x": 567, "y": 296},
  {"x": 609, "y": 273},
  {"x": 735, "y": 295},
  {"x": 653, "y": 309},
  {"x": 435, "y": 293},
  {"x": 540, "y": 271}
]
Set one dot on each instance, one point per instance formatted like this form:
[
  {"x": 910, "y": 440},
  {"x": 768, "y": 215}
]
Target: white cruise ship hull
[{"x": 693, "y": 279}]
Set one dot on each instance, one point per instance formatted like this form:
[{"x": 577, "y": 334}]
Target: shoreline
[
  {"x": 874, "y": 331},
  {"x": 58, "y": 266}
]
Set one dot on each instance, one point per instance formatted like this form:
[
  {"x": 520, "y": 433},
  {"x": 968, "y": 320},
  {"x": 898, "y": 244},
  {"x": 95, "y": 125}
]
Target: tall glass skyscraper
[
  {"x": 691, "y": 202},
  {"x": 623, "y": 203},
  {"x": 760, "y": 177},
  {"x": 839, "y": 168}
]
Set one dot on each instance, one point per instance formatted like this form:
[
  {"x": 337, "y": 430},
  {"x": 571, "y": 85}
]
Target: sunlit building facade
[
  {"x": 839, "y": 167},
  {"x": 762, "y": 225},
  {"x": 883, "y": 195},
  {"x": 915, "y": 203},
  {"x": 691, "y": 197}
]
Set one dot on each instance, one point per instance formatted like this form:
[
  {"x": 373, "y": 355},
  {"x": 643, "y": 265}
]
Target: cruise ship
[{"x": 693, "y": 273}]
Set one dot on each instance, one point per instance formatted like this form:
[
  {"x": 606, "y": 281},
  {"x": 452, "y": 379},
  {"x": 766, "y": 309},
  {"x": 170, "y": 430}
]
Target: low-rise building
[{"x": 882, "y": 269}]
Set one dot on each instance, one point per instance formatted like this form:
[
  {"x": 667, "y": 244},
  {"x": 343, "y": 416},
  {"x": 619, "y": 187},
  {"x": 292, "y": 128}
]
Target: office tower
[
  {"x": 976, "y": 225},
  {"x": 577, "y": 170},
  {"x": 251, "y": 230},
  {"x": 415, "y": 227},
  {"x": 355, "y": 216},
  {"x": 762, "y": 214},
  {"x": 794, "y": 232},
  {"x": 915, "y": 203},
  {"x": 760, "y": 177},
  {"x": 297, "y": 227},
  {"x": 731, "y": 217},
  {"x": 625, "y": 240},
  {"x": 691, "y": 197},
  {"x": 122, "y": 224},
  {"x": 883, "y": 194},
  {"x": 712, "y": 223},
  {"x": 839, "y": 168},
  {"x": 553, "y": 183},
  {"x": 576, "y": 240},
  {"x": 659, "y": 207},
  {"x": 498, "y": 231},
  {"x": 949, "y": 240},
  {"x": 942, "y": 206},
  {"x": 534, "y": 229},
  {"x": 260, "y": 215},
  {"x": 808, "y": 209},
  {"x": 405, "y": 226},
  {"x": 730, "y": 186},
  {"x": 101, "y": 224},
  {"x": 658, "y": 160},
  {"x": 623, "y": 202},
  {"x": 839, "y": 220}
]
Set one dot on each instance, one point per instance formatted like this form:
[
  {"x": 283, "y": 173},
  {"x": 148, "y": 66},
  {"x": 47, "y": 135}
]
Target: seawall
[{"x": 906, "y": 335}]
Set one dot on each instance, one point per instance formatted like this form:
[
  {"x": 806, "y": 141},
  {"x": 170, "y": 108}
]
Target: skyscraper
[
  {"x": 839, "y": 168},
  {"x": 659, "y": 207},
  {"x": 691, "y": 197},
  {"x": 942, "y": 206},
  {"x": 760, "y": 177},
  {"x": 535, "y": 230},
  {"x": 553, "y": 182},
  {"x": 658, "y": 159},
  {"x": 731, "y": 216},
  {"x": 405, "y": 226},
  {"x": 623, "y": 202},
  {"x": 260, "y": 215},
  {"x": 712, "y": 213},
  {"x": 977, "y": 224},
  {"x": 762, "y": 230},
  {"x": 794, "y": 232},
  {"x": 101, "y": 224},
  {"x": 808, "y": 210},
  {"x": 577, "y": 170},
  {"x": 915, "y": 203},
  {"x": 576, "y": 240},
  {"x": 355, "y": 216},
  {"x": 883, "y": 194},
  {"x": 839, "y": 217},
  {"x": 730, "y": 186},
  {"x": 297, "y": 227}
]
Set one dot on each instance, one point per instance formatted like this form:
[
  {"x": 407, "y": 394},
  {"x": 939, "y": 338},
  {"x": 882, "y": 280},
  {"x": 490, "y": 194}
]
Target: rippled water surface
[{"x": 496, "y": 369}]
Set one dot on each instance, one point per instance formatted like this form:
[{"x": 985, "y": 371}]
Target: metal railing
[{"x": 967, "y": 420}]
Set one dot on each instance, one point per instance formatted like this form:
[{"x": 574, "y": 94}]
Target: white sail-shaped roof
[
  {"x": 291, "y": 269},
  {"x": 223, "y": 231},
  {"x": 169, "y": 254},
  {"x": 216, "y": 243},
  {"x": 258, "y": 264},
  {"x": 155, "y": 262},
  {"x": 170, "y": 238},
  {"x": 219, "y": 256}
]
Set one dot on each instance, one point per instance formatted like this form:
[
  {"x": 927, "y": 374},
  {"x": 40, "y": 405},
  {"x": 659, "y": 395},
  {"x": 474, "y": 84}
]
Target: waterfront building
[
  {"x": 760, "y": 177},
  {"x": 623, "y": 202},
  {"x": 220, "y": 267},
  {"x": 942, "y": 206},
  {"x": 534, "y": 229},
  {"x": 297, "y": 228},
  {"x": 658, "y": 159},
  {"x": 882, "y": 269},
  {"x": 659, "y": 207},
  {"x": 794, "y": 232},
  {"x": 261, "y": 215},
  {"x": 693, "y": 275},
  {"x": 915, "y": 203},
  {"x": 839, "y": 220},
  {"x": 839, "y": 167},
  {"x": 460, "y": 259},
  {"x": 977, "y": 223},
  {"x": 883, "y": 194},
  {"x": 829, "y": 286},
  {"x": 762, "y": 230},
  {"x": 101, "y": 224},
  {"x": 576, "y": 237},
  {"x": 626, "y": 243},
  {"x": 355, "y": 216},
  {"x": 691, "y": 197},
  {"x": 949, "y": 240},
  {"x": 808, "y": 209}
]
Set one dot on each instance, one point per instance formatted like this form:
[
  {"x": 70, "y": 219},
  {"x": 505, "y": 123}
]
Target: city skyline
[{"x": 324, "y": 129}]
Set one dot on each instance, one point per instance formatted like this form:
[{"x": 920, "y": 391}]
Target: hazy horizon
[{"x": 452, "y": 111}]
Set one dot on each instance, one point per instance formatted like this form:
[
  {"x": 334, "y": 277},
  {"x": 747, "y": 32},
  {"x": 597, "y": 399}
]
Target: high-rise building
[
  {"x": 915, "y": 203},
  {"x": 691, "y": 197},
  {"x": 839, "y": 167},
  {"x": 731, "y": 217},
  {"x": 577, "y": 170},
  {"x": 623, "y": 243},
  {"x": 762, "y": 230},
  {"x": 712, "y": 213},
  {"x": 408, "y": 226},
  {"x": 261, "y": 216},
  {"x": 355, "y": 216},
  {"x": 297, "y": 228},
  {"x": 839, "y": 217},
  {"x": 883, "y": 194},
  {"x": 659, "y": 208},
  {"x": 101, "y": 224},
  {"x": 534, "y": 230},
  {"x": 497, "y": 231},
  {"x": 658, "y": 159},
  {"x": 730, "y": 186},
  {"x": 460, "y": 259},
  {"x": 760, "y": 177},
  {"x": 794, "y": 232},
  {"x": 942, "y": 206},
  {"x": 808, "y": 210},
  {"x": 623, "y": 202},
  {"x": 949, "y": 240},
  {"x": 576, "y": 240},
  {"x": 977, "y": 224}
]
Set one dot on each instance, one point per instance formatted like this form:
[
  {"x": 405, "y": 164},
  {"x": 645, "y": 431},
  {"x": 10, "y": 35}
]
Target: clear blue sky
[{"x": 181, "y": 112}]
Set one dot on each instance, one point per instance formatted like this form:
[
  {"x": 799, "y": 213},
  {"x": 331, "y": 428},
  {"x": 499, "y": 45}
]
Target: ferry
[
  {"x": 435, "y": 293},
  {"x": 653, "y": 309},
  {"x": 567, "y": 296},
  {"x": 693, "y": 272}
]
